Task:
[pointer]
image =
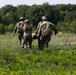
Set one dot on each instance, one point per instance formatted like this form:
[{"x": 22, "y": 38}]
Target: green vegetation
[
  {"x": 62, "y": 15},
  {"x": 58, "y": 59}
]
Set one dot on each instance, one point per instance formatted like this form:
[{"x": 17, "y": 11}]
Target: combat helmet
[
  {"x": 26, "y": 21},
  {"x": 21, "y": 18},
  {"x": 44, "y": 18}
]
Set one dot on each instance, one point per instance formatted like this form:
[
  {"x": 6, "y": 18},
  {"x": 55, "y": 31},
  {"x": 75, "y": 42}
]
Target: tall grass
[{"x": 58, "y": 59}]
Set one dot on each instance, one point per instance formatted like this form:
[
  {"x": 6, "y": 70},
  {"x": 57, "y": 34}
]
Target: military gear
[
  {"x": 26, "y": 21},
  {"x": 22, "y": 18},
  {"x": 19, "y": 27},
  {"x": 19, "y": 30},
  {"x": 44, "y": 31},
  {"x": 44, "y": 18},
  {"x": 27, "y": 35},
  {"x": 34, "y": 35}
]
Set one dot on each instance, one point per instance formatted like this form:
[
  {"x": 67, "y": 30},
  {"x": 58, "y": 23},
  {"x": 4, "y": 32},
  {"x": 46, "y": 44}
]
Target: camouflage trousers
[
  {"x": 20, "y": 36},
  {"x": 26, "y": 41},
  {"x": 43, "y": 41}
]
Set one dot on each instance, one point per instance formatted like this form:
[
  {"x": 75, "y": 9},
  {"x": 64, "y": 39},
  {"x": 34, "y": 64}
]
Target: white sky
[{"x": 38, "y": 2}]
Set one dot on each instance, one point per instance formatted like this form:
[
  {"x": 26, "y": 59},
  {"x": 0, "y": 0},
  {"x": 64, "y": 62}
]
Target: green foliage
[
  {"x": 2, "y": 29},
  {"x": 10, "y": 27},
  {"x": 60, "y": 26},
  {"x": 73, "y": 26},
  {"x": 10, "y": 14},
  {"x": 58, "y": 59},
  {"x": 7, "y": 18}
]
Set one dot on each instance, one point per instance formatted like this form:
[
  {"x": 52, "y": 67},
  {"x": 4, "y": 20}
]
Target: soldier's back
[
  {"x": 27, "y": 27},
  {"x": 20, "y": 26},
  {"x": 46, "y": 28}
]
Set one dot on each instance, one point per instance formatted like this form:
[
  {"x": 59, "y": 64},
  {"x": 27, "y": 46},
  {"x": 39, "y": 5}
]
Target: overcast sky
[{"x": 38, "y": 2}]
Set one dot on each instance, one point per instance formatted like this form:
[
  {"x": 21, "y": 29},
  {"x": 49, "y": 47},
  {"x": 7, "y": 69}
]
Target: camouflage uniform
[
  {"x": 44, "y": 31},
  {"x": 18, "y": 29},
  {"x": 27, "y": 35}
]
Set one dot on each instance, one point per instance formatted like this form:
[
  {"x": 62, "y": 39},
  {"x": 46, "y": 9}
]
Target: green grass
[{"x": 58, "y": 59}]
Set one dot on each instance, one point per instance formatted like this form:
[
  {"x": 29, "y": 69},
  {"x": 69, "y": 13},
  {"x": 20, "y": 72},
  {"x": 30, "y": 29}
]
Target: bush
[
  {"x": 73, "y": 26},
  {"x": 10, "y": 27},
  {"x": 2, "y": 29}
]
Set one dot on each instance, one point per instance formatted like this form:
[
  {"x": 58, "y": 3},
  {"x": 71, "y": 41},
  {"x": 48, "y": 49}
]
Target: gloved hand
[
  {"x": 56, "y": 32},
  {"x": 41, "y": 38},
  {"x": 37, "y": 35}
]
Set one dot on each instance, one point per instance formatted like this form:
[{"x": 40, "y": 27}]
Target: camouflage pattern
[
  {"x": 44, "y": 18},
  {"x": 44, "y": 31},
  {"x": 40, "y": 23},
  {"x": 18, "y": 29},
  {"x": 21, "y": 18},
  {"x": 34, "y": 36},
  {"x": 27, "y": 35}
]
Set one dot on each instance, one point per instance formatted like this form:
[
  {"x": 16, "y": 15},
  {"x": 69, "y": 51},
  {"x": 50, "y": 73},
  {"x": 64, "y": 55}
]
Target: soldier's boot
[
  {"x": 26, "y": 44},
  {"x": 22, "y": 46},
  {"x": 46, "y": 42},
  {"x": 40, "y": 45},
  {"x": 20, "y": 40},
  {"x": 22, "y": 43},
  {"x": 46, "y": 45},
  {"x": 29, "y": 44}
]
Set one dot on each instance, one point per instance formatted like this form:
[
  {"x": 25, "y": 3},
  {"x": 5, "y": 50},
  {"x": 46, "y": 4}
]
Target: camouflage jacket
[
  {"x": 27, "y": 29},
  {"x": 45, "y": 28},
  {"x": 19, "y": 27}
]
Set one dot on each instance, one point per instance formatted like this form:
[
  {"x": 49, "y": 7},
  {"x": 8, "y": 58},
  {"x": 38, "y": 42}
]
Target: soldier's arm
[
  {"x": 37, "y": 28},
  {"x": 15, "y": 29},
  {"x": 30, "y": 28},
  {"x": 53, "y": 27}
]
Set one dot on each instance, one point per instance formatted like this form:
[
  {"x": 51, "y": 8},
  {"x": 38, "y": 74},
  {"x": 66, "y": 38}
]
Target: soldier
[
  {"x": 18, "y": 29},
  {"x": 27, "y": 35},
  {"x": 44, "y": 32}
]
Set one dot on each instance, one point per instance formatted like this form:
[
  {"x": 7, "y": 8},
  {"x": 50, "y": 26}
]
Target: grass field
[{"x": 58, "y": 59}]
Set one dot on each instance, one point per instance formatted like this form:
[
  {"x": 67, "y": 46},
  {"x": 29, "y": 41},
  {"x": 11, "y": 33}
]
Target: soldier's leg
[
  {"x": 43, "y": 42},
  {"x": 22, "y": 43},
  {"x": 30, "y": 43},
  {"x": 47, "y": 40},
  {"x": 20, "y": 38},
  {"x": 26, "y": 42},
  {"x": 46, "y": 44},
  {"x": 40, "y": 44}
]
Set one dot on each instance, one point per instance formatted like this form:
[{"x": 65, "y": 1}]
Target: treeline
[{"x": 62, "y": 15}]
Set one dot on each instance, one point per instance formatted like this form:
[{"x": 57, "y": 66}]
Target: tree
[
  {"x": 62, "y": 14},
  {"x": 7, "y": 18}
]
